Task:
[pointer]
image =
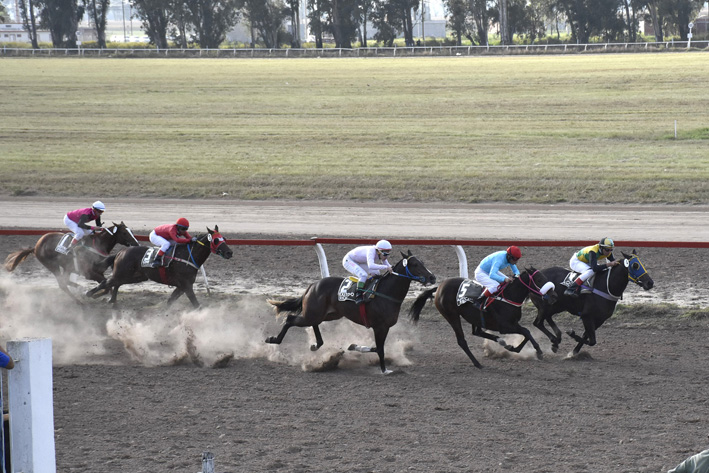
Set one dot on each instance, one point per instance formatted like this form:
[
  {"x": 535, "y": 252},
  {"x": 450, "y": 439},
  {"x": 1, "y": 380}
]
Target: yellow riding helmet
[{"x": 606, "y": 243}]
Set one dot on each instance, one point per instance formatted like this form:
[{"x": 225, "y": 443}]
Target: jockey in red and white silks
[
  {"x": 77, "y": 220},
  {"x": 367, "y": 261},
  {"x": 169, "y": 234}
]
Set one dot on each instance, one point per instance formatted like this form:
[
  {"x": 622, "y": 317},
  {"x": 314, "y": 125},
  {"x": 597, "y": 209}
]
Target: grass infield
[{"x": 544, "y": 129}]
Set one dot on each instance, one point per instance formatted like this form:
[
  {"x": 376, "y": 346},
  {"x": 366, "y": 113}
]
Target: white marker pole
[{"x": 31, "y": 406}]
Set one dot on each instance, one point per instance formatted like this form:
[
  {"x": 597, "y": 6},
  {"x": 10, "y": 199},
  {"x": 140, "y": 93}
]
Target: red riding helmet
[
  {"x": 182, "y": 222},
  {"x": 514, "y": 252}
]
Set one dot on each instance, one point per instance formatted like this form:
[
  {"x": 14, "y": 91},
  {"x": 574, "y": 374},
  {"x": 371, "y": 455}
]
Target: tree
[
  {"x": 4, "y": 17},
  {"x": 679, "y": 13},
  {"x": 481, "y": 16},
  {"x": 365, "y": 9},
  {"x": 61, "y": 18},
  {"x": 315, "y": 18},
  {"x": 591, "y": 17},
  {"x": 387, "y": 19},
  {"x": 155, "y": 19},
  {"x": 212, "y": 19},
  {"x": 266, "y": 16},
  {"x": 29, "y": 20},
  {"x": 457, "y": 20},
  {"x": 97, "y": 10},
  {"x": 294, "y": 12}
]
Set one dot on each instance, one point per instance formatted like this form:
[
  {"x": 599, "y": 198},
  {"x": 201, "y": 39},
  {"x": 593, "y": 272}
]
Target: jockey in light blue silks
[{"x": 488, "y": 271}]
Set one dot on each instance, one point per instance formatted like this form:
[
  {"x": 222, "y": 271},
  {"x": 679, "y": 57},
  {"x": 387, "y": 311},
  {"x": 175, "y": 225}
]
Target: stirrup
[{"x": 572, "y": 291}]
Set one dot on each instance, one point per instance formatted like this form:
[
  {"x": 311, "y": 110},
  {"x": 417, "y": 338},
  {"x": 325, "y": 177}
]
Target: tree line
[{"x": 275, "y": 23}]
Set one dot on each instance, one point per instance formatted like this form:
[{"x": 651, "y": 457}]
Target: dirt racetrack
[{"x": 144, "y": 388}]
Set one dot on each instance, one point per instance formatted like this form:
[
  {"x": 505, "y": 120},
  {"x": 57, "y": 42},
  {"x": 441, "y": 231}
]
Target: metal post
[
  {"x": 462, "y": 261},
  {"x": 31, "y": 406},
  {"x": 207, "y": 462},
  {"x": 322, "y": 259}
]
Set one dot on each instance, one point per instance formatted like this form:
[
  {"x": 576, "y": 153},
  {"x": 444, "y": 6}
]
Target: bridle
[{"x": 408, "y": 273}]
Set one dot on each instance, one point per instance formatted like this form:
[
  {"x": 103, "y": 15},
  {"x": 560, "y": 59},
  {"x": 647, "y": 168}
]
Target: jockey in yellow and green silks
[{"x": 589, "y": 260}]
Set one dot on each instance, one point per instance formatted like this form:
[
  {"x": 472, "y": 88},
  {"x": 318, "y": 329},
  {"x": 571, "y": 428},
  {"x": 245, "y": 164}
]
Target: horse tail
[
  {"x": 105, "y": 263},
  {"x": 420, "y": 301},
  {"x": 13, "y": 260},
  {"x": 292, "y": 304}
]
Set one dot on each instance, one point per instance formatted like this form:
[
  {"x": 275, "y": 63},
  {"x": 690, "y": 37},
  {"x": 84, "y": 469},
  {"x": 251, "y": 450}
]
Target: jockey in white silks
[{"x": 367, "y": 261}]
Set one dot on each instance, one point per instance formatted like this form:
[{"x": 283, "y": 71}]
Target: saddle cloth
[
  {"x": 347, "y": 289},
  {"x": 152, "y": 253},
  {"x": 63, "y": 245},
  {"x": 468, "y": 291}
]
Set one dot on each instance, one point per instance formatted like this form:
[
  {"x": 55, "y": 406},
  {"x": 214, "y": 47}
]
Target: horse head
[
  {"x": 124, "y": 235},
  {"x": 538, "y": 284},
  {"x": 217, "y": 243},
  {"x": 413, "y": 268},
  {"x": 636, "y": 271}
]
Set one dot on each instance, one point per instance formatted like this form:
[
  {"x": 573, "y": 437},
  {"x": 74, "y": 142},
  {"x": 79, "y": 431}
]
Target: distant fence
[
  {"x": 414, "y": 51},
  {"x": 457, "y": 245}
]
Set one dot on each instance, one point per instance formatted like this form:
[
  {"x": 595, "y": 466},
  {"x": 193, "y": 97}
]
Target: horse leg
[
  {"x": 527, "y": 337},
  {"x": 189, "y": 292},
  {"x": 380, "y": 336},
  {"x": 101, "y": 287},
  {"x": 175, "y": 294},
  {"x": 479, "y": 332},
  {"x": 318, "y": 338},
  {"x": 554, "y": 338},
  {"x": 114, "y": 293},
  {"x": 454, "y": 322},
  {"x": 279, "y": 338}
]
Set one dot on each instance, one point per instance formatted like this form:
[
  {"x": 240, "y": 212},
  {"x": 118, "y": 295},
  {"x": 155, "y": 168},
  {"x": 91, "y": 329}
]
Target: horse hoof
[
  {"x": 387, "y": 372},
  {"x": 314, "y": 347},
  {"x": 352, "y": 347},
  {"x": 540, "y": 356},
  {"x": 272, "y": 340},
  {"x": 554, "y": 348}
]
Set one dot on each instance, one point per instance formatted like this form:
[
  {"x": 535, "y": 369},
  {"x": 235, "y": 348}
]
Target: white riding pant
[
  {"x": 580, "y": 267},
  {"x": 157, "y": 240},
  {"x": 79, "y": 232},
  {"x": 362, "y": 272},
  {"x": 483, "y": 278}
]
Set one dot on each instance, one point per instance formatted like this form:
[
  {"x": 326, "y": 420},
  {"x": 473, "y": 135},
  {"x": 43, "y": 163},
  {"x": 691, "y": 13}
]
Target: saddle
[
  {"x": 570, "y": 281},
  {"x": 63, "y": 245},
  {"x": 152, "y": 253},
  {"x": 348, "y": 287},
  {"x": 468, "y": 291}
]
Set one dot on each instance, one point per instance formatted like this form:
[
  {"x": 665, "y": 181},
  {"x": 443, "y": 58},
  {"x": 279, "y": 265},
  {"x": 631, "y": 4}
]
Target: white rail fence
[{"x": 414, "y": 51}]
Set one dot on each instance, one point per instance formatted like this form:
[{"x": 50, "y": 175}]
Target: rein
[
  {"x": 534, "y": 289},
  {"x": 408, "y": 273}
]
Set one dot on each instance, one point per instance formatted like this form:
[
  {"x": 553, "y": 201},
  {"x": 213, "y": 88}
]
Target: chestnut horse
[
  {"x": 502, "y": 315},
  {"x": 181, "y": 272},
  {"x": 594, "y": 307},
  {"x": 320, "y": 304},
  {"x": 87, "y": 259}
]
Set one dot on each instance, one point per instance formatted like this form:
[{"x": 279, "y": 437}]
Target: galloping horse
[
  {"x": 181, "y": 273},
  {"x": 86, "y": 260},
  {"x": 502, "y": 315},
  {"x": 320, "y": 304},
  {"x": 594, "y": 307}
]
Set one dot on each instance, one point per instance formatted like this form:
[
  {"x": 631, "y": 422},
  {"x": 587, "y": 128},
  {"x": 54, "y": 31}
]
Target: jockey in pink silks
[{"x": 77, "y": 221}]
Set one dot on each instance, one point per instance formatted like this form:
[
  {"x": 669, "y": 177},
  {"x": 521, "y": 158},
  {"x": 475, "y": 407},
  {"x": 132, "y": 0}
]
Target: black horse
[
  {"x": 502, "y": 315},
  {"x": 87, "y": 259},
  {"x": 595, "y": 305},
  {"x": 320, "y": 303},
  {"x": 181, "y": 273}
]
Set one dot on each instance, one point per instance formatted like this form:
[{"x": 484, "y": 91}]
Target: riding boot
[
  {"x": 72, "y": 245},
  {"x": 575, "y": 290},
  {"x": 158, "y": 260},
  {"x": 478, "y": 303},
  {"x": 359, "y": 293}
]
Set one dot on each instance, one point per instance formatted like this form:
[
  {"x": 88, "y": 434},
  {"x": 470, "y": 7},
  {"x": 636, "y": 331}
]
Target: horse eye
[{"x": 636, "y": 266}]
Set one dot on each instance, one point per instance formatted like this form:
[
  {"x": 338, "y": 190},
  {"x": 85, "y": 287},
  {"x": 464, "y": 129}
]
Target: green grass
[{"x": 581, "y": 128}]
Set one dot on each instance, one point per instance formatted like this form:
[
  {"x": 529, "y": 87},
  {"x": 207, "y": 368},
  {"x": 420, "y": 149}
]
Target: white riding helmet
[
  {"x": 98, "y": 205},
  {"x": 383, "y": 245}
]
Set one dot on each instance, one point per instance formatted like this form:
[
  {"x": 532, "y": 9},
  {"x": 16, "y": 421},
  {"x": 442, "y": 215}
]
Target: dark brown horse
[
  {"x": 502, "y": 315},
  {"x": 181, "y": 272},
  {"x": 320, "y": 304},
  {"x": 86, "y": 259},
  {"x": 594, "y": 307}
]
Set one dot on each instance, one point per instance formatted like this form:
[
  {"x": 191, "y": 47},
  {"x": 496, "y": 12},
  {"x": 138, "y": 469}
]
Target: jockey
[
  {"x": 488, "y": 272},
  {"x": 77, "y": 221},
  {"x": 169, "y": 234},
  {"x": 587, "y": 262},
  {"x": 367, "y": 261}
]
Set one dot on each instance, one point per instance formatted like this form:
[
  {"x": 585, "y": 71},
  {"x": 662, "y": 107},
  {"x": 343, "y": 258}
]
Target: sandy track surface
[{"x": 135, "y": 390}]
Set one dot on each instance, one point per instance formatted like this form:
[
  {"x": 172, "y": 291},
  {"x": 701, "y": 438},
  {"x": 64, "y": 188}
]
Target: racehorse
[
  {"x": 181, "y": 272},
  {"x": 88, "y": 259},
  {"x": 501, "y": 315},
  {"x": 320, "y": 303},
  {"x": 594, "y": 307}
]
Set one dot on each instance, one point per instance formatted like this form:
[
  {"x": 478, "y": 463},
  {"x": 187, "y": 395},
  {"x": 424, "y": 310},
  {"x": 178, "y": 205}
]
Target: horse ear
[
  {"x": 626, "y": 256},
  {"x": 210, "y": 231},
  {"x": 634, "y": 252},
  {"x": 403, "y": 255},
  {"x": 410, "y": 253},
  {"x": 216, "y": 228}
]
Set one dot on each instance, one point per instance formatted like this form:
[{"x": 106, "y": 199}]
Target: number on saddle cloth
[
  {"x": 152, "y": 253},
  {"x": 63, "y": 245},
  {"x": 468, "y": 291},
  {"x": 348, "y": 288}
]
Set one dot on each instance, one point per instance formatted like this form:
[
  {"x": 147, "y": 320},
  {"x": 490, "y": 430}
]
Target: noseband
[{"x": 408, "y": 273}]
